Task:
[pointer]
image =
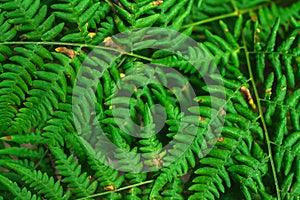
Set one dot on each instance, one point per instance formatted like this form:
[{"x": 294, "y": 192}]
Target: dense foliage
[{"x": 255, "y": 46}]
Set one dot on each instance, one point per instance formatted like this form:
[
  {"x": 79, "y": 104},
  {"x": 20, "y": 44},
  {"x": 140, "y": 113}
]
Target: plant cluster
[{"x": 254, "y": 49}]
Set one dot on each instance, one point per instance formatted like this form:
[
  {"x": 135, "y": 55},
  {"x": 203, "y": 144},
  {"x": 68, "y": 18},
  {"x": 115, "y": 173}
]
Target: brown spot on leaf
[
  {"x": 69, "y": 52},
  {"x": 109, "y": 188},
  {"x": 157, "y": 3},
  {"x": 202, "y": 119},
  {"x": 223, "y": 112},
  {"x": 108, "y": 42},
  {"x": 157, "y": 161},
  {"x": 184, "y": 88},
  {"x": 8, "y": 137},
  {"x": 92, "y": 35},
  {"x": 269, "y": 91},
  {"x": 246, "y": 92},
  {"x": 253, "y": 17}
]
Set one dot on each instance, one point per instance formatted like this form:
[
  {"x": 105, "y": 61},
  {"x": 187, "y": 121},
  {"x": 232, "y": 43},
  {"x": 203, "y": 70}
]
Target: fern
[
  {"x": 143, "y": 115},
  {"x": 30, "y": 16},
  {"x": 16, "y": 191},
  {"x": 40, "y": 182}
]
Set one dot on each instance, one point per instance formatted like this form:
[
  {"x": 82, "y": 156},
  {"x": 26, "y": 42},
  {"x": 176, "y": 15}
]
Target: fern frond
[
  {"x": 40, "y": 182},
  {"x": 173, "y": 190},
  {"x": 282, "y": 58},
  {"x": 79, "y": 120},
  {"x": 268, "y": 15},
  {"x": 7, "y": 31},
  {"x": 13, "y": 90},
  {"x": 52, "y": 82},
  {"x": 218, "y": 162},
  {"x": 79, "y": 14},
  {"x": 172, "y": 14},
  {"x": 23, "y": 152},
  {"x": 288, "y": 153},
  {"x": 210, "y": 8},
  {"x": 19, "y": 194},
  {"x": 290, "y": 188},
  {"x": 71, "y": 172},
  {"x": 24, "y": 68},
  {"x": 107, "y": 176},
  {"x": 56, "y": 129},
  {"x": 31, "y": 19}
]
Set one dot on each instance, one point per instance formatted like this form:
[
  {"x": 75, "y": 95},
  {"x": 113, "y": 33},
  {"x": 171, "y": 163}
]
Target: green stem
[
  {"x": 117, "y": 190},
  {"x": 232, "y": 14},
  {"x": 38, "y": 163},
  {"x": 262, "y": 119},
  {"x": 234, "y": 5},
  {"x": 76, "y": 44},
  {"x": 211, "y": 19},
  {"x": 273, "y": 52}
]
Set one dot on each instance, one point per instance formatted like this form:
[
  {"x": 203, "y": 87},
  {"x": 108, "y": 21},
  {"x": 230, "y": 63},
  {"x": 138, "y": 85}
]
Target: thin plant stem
[
  {"x": 77, "y": 45},
  {"x": 262, "y": 119},
  {"x": 117, "y": 190},
  {"x": 216, "y": 18}
]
